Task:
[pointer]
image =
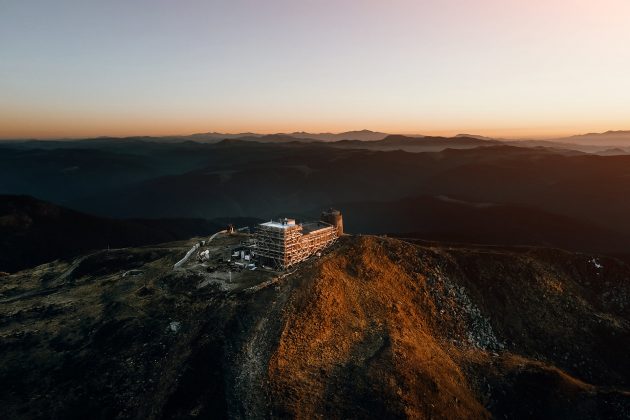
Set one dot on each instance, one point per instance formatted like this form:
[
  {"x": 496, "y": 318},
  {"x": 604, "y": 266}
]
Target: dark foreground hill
[
  {"x": 376, "y": 328},
  {"x": 33, "y": 232}
]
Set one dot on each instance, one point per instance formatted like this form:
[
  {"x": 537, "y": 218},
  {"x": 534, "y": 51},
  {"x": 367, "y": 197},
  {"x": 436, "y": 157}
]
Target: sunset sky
[{"x": 149, "y": 67}]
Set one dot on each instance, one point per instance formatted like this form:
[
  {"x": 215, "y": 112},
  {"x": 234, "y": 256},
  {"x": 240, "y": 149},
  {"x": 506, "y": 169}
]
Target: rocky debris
[
  {"x": 204, "y": 255},
  {"x": 452, "y": 298},
  {"x": 174, "y": 326}
]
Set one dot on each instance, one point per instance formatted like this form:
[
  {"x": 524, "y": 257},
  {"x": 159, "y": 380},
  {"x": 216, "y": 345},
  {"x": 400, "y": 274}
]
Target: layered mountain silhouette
[
  {"x": 612, "y": 138},
  {"x": 590, "y": 143},
  {"x": 536, "y": 195}
]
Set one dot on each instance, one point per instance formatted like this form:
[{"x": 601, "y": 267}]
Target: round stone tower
[{"x": 333, "y": 217}]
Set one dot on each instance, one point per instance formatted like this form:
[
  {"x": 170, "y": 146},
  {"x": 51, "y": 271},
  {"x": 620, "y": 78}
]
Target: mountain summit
[{"x": 375, "y": 328}]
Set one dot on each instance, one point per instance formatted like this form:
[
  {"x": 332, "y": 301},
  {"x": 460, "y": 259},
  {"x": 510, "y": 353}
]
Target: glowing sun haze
[{"x": 150, "y": 67}]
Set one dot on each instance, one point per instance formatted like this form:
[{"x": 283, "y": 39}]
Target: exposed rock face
[{"x": 376, "y": 328}]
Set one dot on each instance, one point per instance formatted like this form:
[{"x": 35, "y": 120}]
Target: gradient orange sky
[{"x": 151, "y": 67}]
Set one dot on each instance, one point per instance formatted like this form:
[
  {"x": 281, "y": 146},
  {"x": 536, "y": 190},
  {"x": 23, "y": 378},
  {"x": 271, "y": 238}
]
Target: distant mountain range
[
  {"x": 608, "y": 143},
  {"x": 609, "y": 138},
  {"x": 620, "y": 138},
  {"x": 605, "y": 143},
  {"x": 540, "y": 195},
  {"x": 362, "y": 135}
]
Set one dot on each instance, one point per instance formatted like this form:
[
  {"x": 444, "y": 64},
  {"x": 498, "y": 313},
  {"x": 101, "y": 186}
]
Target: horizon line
[{"x": 294, "y": 133}]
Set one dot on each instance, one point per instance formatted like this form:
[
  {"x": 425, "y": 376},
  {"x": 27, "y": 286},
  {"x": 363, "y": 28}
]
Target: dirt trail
[{"x": 49, "y": 290}]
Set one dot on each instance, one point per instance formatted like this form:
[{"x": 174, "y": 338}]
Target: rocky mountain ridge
[{"x": 376, "y": 327}]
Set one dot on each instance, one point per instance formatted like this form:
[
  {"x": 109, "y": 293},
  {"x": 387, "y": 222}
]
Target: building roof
[
  {"x": 311, "y": 227},
  {"x": 281, "y": 224}
]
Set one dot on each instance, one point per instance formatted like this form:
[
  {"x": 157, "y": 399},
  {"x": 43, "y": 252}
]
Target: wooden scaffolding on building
[{"x": 283, "y": 244}]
